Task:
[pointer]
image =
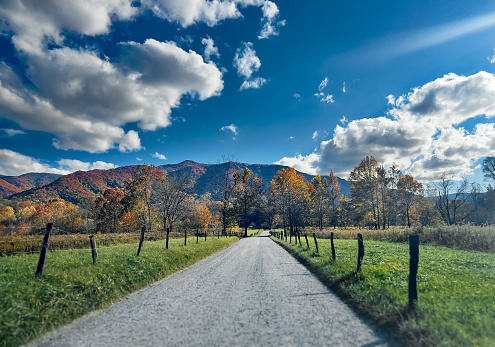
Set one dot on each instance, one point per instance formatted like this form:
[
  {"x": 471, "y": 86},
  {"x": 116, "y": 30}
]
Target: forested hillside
[{"x": 82, "y": 186}]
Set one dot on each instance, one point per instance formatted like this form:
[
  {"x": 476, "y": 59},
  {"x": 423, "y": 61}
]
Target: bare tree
[
  {"x": 223, "y": 184},
  {"x": 451, "y": 196},
  {"x": 488, "y": 168},
  {"x": 170, "y": 198}
]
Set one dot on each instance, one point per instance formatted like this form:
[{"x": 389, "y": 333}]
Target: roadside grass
[
  {"x": 15, "y": 244},
  {"x": 456, "y": 289},
  {"x": 71, "y": 286}
]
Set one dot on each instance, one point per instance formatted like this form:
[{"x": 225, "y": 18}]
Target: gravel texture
[{"x": 251, "y": 294}]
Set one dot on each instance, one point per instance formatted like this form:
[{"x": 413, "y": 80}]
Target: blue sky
[{"x": 317, "y": 85}]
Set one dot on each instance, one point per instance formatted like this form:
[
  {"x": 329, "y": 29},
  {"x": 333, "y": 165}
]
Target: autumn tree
[
  {"x": 203, "y": 217},
  {"x": 291, "y": 193},
  {"x": 364, "y": 190},
  {"x": 410, "y": 192},
  {"x": 7, "y": 215},
  {"x": 247, "y": 191},
  {"x": 63, "y": 214},
  {"x": 108, "y": 209},
  {"x": 138, "y": 193}
]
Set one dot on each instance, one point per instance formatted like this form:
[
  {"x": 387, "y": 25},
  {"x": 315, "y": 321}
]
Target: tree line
[{"x": 380, "y": 197}]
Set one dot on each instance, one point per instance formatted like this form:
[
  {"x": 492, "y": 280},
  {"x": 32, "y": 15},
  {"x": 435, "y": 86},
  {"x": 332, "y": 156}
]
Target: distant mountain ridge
[
  {"x": 15, "y": 184},
  {"x": 83, "y": 186}
]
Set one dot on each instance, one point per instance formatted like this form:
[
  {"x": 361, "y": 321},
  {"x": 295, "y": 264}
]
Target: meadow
[
  {"x": 456, "y": 288},
  {"x": 72, "y": 286}
]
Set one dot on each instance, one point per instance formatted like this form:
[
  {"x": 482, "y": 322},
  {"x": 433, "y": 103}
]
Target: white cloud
[
  {"x": 84, "y": 100},
  {"x": 327, "y": 98},
  {"x": 422, "y": 132},
  {"x": 270, "y": 13},
  {"x": 390, "y": 99},
  {"x": 343, "y": 88},
  {"x": 344, "y": 120},
  {"x": 297, "y": 96},
  {"x": 139, "y": 159},
  {"x": 15, "y": 164},
  {"x": 323, "y": 84},
  {"x": 246, "y": 61},
  {"x": 189, "y": 12},
  {"x": 159, "y": 156},
  {"x": 291, "y": 138},
  {"x": 303, "y": 164},
  {"x": 210, "y": 49},
  {"x": 34, "y": 23},
  {"x": 315, "y": 135},
  {"x": 232, "y": 128},
  {"x": 253, "y": 83},
  {"x": 101, "y": 165},
  {"x": 72, "y": 165},
  {"x": 13, "y": 132}
]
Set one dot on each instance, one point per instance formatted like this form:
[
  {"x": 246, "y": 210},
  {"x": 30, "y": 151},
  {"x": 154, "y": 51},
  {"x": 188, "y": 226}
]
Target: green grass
[
  {"x": 456, "y": 289},
  {"x": 71, "y": 286}
]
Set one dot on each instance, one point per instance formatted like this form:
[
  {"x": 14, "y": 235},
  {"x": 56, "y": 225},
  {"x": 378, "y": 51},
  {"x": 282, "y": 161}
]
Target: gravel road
[{"x": 251, "y": 294}]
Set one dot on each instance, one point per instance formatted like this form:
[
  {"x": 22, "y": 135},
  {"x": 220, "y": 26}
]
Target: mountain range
[{"x": 83, "y": 187}]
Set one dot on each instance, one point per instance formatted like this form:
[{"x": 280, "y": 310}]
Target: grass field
[
  {"x": 456, "y": 289},
  {"x": 71, "y": 286}
]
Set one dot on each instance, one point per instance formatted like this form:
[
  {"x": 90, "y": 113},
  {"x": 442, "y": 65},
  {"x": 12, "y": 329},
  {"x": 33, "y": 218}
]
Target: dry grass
[{"x": 466, "y": 237}]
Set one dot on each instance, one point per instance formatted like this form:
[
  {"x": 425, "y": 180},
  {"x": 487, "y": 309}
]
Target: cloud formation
[
  {"x": 210, "y": 49},
  {"x": 323, "y": 97},
  {"x": 14, "y": 164},
  {"x": 84, "y": 100},
  {"x": 253, "y": 83},
  {"x": 159, "y": 156},
  {"x": 302, "y": 163},
  {"x": 270, "y": 14},
  {"x": 323, "y": 84},
  {"x": 246, "y": 62},
  {"x": 423, "y": 131},
  {"x": 13, "y": 132},
  {"x": 232, "y": 128},
  {"x": 72, "y": 165}
]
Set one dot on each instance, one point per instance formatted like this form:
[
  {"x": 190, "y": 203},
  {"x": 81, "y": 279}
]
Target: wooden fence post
[
  {"x": 185, "y": 236},
  {"x": 143, "y": 228},
  {"x": 197, "y": 235},
  {"x": 93, "y": 248},
  {"x": 307, "y": 242},
  {"x": 166, "y": 241},
  {"x": 44, "y": 249},
  {"x": 413, "y": 269},
  {"x": 316, "y": 243},
  {"x": 333, "y": 247},
  {"x": 360, "y": 252},
  {"x": 206, "y": 231}
]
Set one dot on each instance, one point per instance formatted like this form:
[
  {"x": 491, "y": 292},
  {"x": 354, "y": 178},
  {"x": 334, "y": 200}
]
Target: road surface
[{"x": 251, "y": 294}]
